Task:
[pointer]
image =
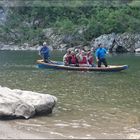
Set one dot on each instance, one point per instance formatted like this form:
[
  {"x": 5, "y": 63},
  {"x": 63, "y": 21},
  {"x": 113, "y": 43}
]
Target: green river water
[{"x": 90, "y": 104}]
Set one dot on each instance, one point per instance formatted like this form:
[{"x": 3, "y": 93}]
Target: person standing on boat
[
  {"x": 45, "y": 53},
  {"x": 100, "y": 54}
]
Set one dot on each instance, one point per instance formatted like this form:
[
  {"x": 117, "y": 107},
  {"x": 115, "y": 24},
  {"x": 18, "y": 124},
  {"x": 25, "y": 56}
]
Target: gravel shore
[{"x": 8, "y": 131}]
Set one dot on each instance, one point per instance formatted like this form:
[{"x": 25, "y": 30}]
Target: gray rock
[
  {"x": 48, "y": 32},
  {"x": 106, "y": 40},
  {"x": 18, "y": 103},
  {"x": 125, "y": 42},
  {"x": 137, "y": 50}
]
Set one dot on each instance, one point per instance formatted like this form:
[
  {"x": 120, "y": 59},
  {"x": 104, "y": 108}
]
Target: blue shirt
[
  {"x": 100, "y": 53},
  {"x": 45, "y": 52}
]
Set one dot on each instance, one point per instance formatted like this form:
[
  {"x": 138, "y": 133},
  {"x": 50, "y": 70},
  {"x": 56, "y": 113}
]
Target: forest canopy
[{"x": 26, "y": 19}]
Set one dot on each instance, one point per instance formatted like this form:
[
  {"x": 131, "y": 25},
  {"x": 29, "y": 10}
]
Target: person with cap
[
  {"x": 45, "y": 53},
  {"x": 100, "y": 54}
]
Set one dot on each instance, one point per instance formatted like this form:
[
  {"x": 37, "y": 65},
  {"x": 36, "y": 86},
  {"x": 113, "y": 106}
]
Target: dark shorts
[
  {"x": 102, "y": 60},
  {"x": 46, "y": 60}
]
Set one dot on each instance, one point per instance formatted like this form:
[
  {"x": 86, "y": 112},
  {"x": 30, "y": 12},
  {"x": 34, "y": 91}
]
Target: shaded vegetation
[{"x": 26, "y": 22}]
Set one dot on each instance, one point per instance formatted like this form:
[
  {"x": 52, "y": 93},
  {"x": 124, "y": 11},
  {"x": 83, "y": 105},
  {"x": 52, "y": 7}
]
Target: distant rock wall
[
  {"x": 125, "y": 42},
  {"x": 118, "y": 42}
]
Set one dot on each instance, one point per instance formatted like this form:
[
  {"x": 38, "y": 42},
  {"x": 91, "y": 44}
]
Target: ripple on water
[{"x": 89, "y": 104}]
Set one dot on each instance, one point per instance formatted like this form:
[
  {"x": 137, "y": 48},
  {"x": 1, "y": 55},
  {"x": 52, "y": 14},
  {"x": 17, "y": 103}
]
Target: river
[{"x": 90, "y": 104}]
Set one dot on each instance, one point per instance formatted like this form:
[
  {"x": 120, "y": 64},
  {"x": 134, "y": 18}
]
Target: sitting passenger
[
  {"x": 84, "y": 62},
  {"x": 90, "y": 58},
  {"x": 73, "y": 58},
  {"x": 67, "y": 57},
  {"x": 79, "y": 56}
]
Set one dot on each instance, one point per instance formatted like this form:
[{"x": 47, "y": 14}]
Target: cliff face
[
  {"x": 119, "y": 43},
  {"x": 125, "y": 42}
]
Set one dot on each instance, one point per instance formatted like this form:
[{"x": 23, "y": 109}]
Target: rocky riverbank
[
  {"x": 119, "y": 43},
  {"x": 10, "y": 130}
]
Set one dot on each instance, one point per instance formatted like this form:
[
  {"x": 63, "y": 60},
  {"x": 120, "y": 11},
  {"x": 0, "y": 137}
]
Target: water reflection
[{"x": 137, "y": 54}]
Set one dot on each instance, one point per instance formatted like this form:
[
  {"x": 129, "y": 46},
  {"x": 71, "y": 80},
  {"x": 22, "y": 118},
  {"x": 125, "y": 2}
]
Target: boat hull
[{"x": 61, "y": 66}]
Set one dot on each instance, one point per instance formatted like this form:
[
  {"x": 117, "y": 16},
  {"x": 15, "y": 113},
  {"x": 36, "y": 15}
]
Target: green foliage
[
  {"x": 65, "y": 26},
  {"x": 25, "y": 23},
  {"x": 135, "y": 3}
]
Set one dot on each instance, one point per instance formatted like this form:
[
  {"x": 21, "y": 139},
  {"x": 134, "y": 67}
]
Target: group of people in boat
[{"x": 78, "y": 57}]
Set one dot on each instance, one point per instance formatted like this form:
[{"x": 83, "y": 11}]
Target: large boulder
[
  {"x": 125, "y": 42},
  {"x": 106, "y": 40},
  {"x": 24, "y": 104}
]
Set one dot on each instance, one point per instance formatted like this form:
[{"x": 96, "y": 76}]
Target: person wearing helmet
[{"x": 45, "y": 53}]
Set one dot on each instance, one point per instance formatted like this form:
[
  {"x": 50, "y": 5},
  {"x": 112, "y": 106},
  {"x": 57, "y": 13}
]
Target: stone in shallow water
[{"x": 18, "y": 103}]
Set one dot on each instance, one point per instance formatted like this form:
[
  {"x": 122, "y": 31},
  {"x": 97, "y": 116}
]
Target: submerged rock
[{"x": 25, "y": 104}]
